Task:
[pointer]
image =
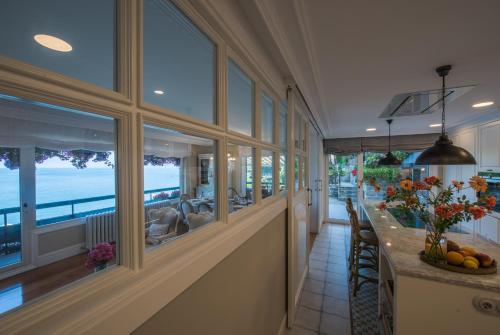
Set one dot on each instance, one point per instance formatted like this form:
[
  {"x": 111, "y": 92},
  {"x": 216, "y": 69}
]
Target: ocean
[{"x": 58, "y": 184}]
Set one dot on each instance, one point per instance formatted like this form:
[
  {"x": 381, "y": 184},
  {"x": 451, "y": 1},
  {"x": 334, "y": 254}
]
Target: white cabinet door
[{"x": 489, "y": 145}]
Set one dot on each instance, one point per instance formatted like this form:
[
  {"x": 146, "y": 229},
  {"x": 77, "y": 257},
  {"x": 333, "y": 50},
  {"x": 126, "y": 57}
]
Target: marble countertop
[{"x": 402, "y": 245}]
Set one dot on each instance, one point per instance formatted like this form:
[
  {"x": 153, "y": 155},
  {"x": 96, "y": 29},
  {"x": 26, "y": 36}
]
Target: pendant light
[
  {"x": 443, "y": 152},
  {"x": 389, "y": 159}
]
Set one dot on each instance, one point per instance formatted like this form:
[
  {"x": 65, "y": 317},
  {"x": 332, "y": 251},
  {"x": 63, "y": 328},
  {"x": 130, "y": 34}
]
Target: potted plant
[{"x": 439, "y": 208}]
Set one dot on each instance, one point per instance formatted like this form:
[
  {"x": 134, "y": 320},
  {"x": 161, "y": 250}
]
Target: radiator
[{"x": 100, "y": 228}]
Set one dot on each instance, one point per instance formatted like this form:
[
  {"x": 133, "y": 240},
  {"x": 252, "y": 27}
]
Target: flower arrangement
[
  {"x": 100, "y": 255},
  {"x": 438, "y": 208}
]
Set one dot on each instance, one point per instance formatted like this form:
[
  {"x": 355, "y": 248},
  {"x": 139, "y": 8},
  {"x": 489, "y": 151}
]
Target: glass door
[
  {"x": 342, "y": 184},
  {"x": 10, "y": 213}
]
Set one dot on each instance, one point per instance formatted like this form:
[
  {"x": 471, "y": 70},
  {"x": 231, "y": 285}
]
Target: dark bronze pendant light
[
  {"x": 443, "y": 152},
  {"x": 389, "y": 159}
]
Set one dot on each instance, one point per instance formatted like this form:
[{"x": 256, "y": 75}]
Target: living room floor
[{"x": 29, "y": 285}]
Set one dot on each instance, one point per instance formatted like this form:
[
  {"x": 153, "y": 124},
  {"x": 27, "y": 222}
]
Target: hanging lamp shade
[
  {"x": 389, "y": 159},
  {"x": 443, "y": 152}
]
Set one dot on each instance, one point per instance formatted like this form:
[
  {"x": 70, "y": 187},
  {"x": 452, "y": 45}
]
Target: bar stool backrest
[{"x": 353, "y": 218}]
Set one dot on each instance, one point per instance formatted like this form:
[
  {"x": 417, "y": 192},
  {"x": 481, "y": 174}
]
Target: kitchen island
[{"x": 416, "y": 298}]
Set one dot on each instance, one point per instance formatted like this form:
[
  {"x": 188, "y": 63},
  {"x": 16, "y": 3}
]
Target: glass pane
[
  {"x": 283, "y": 126},
  {"x": 179, "y": 183},
  {"x": 283, "y": 161},
  {"x": 267, "y": 119},
  {"x": 73, "y": 38},
  {"x": 179, "y": 62},
  {"x": 240, "y": 107},
  {"x": 296, "y": 168},
  {"x": 387, "y": 175},
  {"x": 10, "y": 216},
  {"x": 342, "y": 184},
  {"x": 298, "y": 130},
  {"x": 267, "y": 180},
  {"x": 65, "y": 160},
  {"x": 240, "y": 176},
  {"x": 303, "y": 173}
]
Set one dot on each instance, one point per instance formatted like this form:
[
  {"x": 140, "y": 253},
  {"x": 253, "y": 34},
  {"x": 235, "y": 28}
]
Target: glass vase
[
  {"x": 435, "y": 244},
  {"x": 100, "y": 267}
]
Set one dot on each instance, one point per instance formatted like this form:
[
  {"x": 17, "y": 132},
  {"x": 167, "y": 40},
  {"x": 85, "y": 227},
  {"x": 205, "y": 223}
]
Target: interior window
[
  {"x": 179, "y": 183},
  {"x": 179, "y": 62},
  {"x": 267, "y": 118},
  {"x": 73, "y": 38},
  {"x": 57, "y": 166},
  {"x": 267, "y": 181},
  {"x": 240, "y": 176},
  {"x": 240, "y": 109}
]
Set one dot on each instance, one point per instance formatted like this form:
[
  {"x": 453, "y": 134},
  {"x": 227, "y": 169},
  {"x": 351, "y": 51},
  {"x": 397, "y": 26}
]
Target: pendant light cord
[{"x": 443, "y": 130}]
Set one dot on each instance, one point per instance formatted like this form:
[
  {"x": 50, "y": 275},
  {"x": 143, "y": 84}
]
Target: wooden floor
[{"x": 32, "y": 284}]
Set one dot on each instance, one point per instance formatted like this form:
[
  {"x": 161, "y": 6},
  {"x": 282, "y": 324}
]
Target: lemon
[
  {"x": 469, "y": 264},
  {"x": 471, "y": 259}
]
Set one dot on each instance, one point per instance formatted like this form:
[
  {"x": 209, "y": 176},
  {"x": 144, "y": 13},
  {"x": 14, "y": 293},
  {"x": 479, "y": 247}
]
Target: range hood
[{"x": 421, "y": 103}]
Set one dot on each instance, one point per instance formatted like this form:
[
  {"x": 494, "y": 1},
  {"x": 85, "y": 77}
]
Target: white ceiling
[{"x": 351, "y": 57}]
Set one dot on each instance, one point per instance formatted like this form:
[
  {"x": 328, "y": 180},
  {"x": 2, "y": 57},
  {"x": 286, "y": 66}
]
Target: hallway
[{"x": 324, "y": 303}]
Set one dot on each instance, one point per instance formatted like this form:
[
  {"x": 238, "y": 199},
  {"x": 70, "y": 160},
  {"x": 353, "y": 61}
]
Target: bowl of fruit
[{"x": 465, "y": 260}]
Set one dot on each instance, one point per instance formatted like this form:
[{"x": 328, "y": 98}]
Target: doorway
[{"x": 343, "y": 176}]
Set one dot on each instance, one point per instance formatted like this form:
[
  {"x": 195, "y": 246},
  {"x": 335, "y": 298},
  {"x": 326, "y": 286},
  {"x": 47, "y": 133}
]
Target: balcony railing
[{"x": 10, "y": 233}]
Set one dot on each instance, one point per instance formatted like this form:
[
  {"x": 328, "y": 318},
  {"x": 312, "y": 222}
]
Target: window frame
[
  {"x": 220, "y": 63},
  {"x": 130, "y": 114}
]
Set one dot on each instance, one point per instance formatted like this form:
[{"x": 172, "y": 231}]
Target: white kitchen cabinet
[
  {"x": 489, "y": 146},
  {"x": 489, "y": 228}
]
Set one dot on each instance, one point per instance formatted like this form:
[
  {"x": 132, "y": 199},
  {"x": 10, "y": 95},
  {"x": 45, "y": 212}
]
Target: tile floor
[{"x": 324, "y": 303}]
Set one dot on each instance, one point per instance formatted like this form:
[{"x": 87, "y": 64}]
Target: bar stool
[
  {"x": 363, "y": 225},
  {"x": 365, "y": 247}
]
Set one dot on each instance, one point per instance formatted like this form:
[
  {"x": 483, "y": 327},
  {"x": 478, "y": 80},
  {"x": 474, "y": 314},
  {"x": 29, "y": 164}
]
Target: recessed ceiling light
[
  {"x": 435, "y": 125},
  {"x": 388, "y": 244},
  {"x": 159, "y": 92},
  {"x": 53, "y": 43},
  {"x": 483, "y": 104},
  {"x": 371, "y": 129}
]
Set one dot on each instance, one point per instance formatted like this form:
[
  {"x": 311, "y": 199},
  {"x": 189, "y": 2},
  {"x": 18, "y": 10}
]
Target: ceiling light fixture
[
  {"x": 159, "y": 92},
  {"x": 371, "y": 129},
  {"x": 389, "y": 159},
  {"x": 443, "y": 152},
  {"x": 483, "y": 104},
  {"x": 53, "y": 43},
  {"x": 435, "y": 125}
]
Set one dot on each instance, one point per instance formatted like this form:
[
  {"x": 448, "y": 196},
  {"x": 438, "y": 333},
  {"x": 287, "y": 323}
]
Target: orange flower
[
  {"x": 382, "y": 206},
  {"x": 478, "y": 184},
  {"x": 421, "y": 186},
  {"x": 490, "y": 201},
  {"x": 477, "y": 211},
  {"x": 458, "y": 184},
  {"x": 432, "y": 180},
  {"x": 406, "y": 184},
  {"x": 457, "y": 208},
  {"x": 444, "y": 211},
  {"x": 390, "y": 191}
]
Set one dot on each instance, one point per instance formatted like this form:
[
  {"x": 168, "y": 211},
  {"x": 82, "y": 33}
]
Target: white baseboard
[{"x": 58, "y": 255}]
